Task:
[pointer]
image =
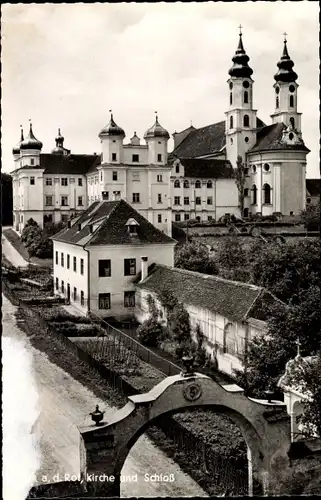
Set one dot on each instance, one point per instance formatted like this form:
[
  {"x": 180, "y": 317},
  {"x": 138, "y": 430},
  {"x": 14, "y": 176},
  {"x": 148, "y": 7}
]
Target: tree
[
  {"x": 231, "y": 254},
  {"x": 240, "y": 182},
  {"x": 179, "y": 324},
  {"x": 195, "y": 257},
  {"x": 311, "y": 217},
  {"x": 312, "y": 407},
  {"x": 6, "y": 199},
  {"x": 150, "y": 333}
]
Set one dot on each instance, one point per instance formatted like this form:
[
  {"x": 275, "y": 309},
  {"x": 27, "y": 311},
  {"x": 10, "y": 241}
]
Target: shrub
[
  {"x": 150, "y": 333},
  {"x": 179, "y": 324}
]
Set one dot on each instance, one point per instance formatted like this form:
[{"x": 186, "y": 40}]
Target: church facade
[{"x": 195, "y": 181}]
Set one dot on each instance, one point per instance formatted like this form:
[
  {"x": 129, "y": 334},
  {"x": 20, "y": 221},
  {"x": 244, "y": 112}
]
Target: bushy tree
[
  {"x": 179, "y": 324},
  {"x": 231, "y": 254},
  {"x": 311, "y": 217},
  {"x": 195, "y": 257},
  {"x": 312, "y": 407},
  {"x": 150, "y": 333}
]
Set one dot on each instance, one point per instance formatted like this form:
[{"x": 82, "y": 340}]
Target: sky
[{"x": 67, "y": 65}]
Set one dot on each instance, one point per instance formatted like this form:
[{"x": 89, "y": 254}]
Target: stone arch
[{"x": 265, "y": 427}]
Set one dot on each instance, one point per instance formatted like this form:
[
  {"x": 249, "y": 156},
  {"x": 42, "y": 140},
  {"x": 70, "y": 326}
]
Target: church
[{"x": 197, "y": 180}]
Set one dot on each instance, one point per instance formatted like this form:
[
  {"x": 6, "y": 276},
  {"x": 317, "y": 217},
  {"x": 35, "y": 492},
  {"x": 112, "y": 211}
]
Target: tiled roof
[
  {"x": 269, "y": 138},
  {"x": 204, "y": 140},
  {"x": 111, "y": 218},
  {"x": 234, "y": 300},
  {"x": 313, "y": 186},
  {"x": 202, "y": 168},
  {"x": 69, "y": 164}
]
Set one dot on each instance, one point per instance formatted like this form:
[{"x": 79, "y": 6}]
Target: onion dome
[
  {"x": 16, "y": 149},
  {"x": 285, "y": 73},
  {"x": 31, "y": 142},
  {"x": 59, "y": 149},
  {"x": 156, "y": 131},
  {"x": 112, "y": 129},
  {"x": 240, "y": 68}
]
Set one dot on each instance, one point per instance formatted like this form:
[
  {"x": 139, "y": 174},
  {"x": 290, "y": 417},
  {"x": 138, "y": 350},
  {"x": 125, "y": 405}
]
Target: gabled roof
[
  {"x": 234, "y": 300},
  {"x": 203, "y": 169},
  {"x": 108, "y": 220},
  {"x": 313, "y": 186},
  {"x": 204, "y": 140},
  {"x": 269, "y": 138},
  {"x": 68, "y": 164}
]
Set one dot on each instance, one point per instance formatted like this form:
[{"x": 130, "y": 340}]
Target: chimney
[{"x": 144, "y": 268}]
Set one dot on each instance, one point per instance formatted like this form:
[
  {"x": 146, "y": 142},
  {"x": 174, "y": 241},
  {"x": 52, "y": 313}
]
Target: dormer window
[{"x": 132, "y": 227}]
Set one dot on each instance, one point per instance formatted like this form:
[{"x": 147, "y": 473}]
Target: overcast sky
[{"x": 67, "y": 65}]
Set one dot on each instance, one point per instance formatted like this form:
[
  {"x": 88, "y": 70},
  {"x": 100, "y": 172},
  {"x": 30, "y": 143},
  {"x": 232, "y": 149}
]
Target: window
[
  {"x": 291, "y": 213},
  {"x": 159, "y": 178},
  {"x": 64, "y": 217},
  {"x": 291, "y": 101},
  {"x": 186, "y": 216},
  {"x": 159, "y": 218},
  {"x": 231, "y": 98},
  {"x": 246, "y": 97},
  {"x": 129, "y": 299},
  {"x": 266, "y": 167},
  {"x": 209, "y": 218},
  {"x": 230, "y": 344},
  {"x": 136, "y": 198},
  {"x": 209, "y": 184},
  {"x": 186, "y": 200},
  {"x": 49, "y": 201},
  {"x": 32, "y": 161},
  {"x": 68, "y": 261},
  {"x": 57, "y": 283},
  {"x": 79, "y": 181},
  {"x": 292, "y": 88},
  {"x": 292, "y": 122},
  {"x": 129, "y": 267},
  {"x": 135, "y": 158},
  {"x": 246, "y": 85},
  {"x": 75, "y": 264},
  {"x": 231, "y": 85},
  {"x": 291, "y": 136},
  {"x": 115, "y": 176},
  {"x": 177, "y": 217},
  {"x": 177, "y": 200},
  {"x": 177, "y": 169},
  {"x": 32, "y": 181},
  {"x": 210, "y": 200},
  {"x": 62, "y": 260},
  {"x": 246, "y": 171},
  {"x": 64, "y": 181},
  {"x": 198, "y": 200},
  {"x": 246, "y": 191},
  {"x": 267, "y": 193},
  {"x": 105, "y": 195},
  {"x": 159, "y": 157},
  {"x": 104, "y": 301},
  {"x": 96, "y": 179},
  {"x": 231, "y": 121},
  {"x": 177, "y": 184},
  {"x": 75, "y": 294},
  {"x": 186, "y": 184},
  {"x": 246, "y": 212},
  {"x": 57, "y": 258},
  {"x": 198, "y": 218},
  {"x": 114, "y": 158},
  {"x": 48, "y": 181},
  {"x": 231, "y": 140},
  {"x": 277, "y": 102},
  {"x": 246, "y": 139},
  {"x": 104, "y": 268},
  {"x": 246, "y": 121},
  {"x": 82, "y": 298},
  {"x": 159, "y": 197},
  {"x": 80, "y": 201},
  {"x": 254, "y": 194},
  {"x": 254, "y": 169},
  {"x": 101, "y": 176},
  {"x": 82, "y": 266},
  {"x": 197, "y": 184},
  {"x": 62, "y": 286},
  {"x": 64, "y": 201}
]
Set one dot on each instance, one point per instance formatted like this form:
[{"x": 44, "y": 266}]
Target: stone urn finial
[
  {"x": 97, "y": 416},
  {"x": 188, "y": 362}
]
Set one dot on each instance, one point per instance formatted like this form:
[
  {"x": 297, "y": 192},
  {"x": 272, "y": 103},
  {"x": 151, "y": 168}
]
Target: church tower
[
  {"x": 286, "y": 90},
  {"x": 241, "y": 117}
]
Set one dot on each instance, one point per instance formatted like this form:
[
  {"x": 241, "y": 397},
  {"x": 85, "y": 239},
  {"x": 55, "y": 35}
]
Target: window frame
[
  {"x": 129, "y": 298},
  {"x": 48, "y": 181},
  {"x": 115, "y": 175},
  {"x": 32, "y": 181},
  {"x": 106, "y": 296},
  {"x": 130, "y": 267},
  {"x": 62, "y": 203},
  {"x": 135, "y": 158},
  {"x": 74, "y": 264},
  {"x": 82, "y": 201},
  {"x": 177, "y": 200},
  {"x": 102, "y": 267},
  {"x": 198, "y": 200},
  {"x": 64, "y": 181},
  {"x": 49, "y": 196},
  {"x": 136, "y": 198}
]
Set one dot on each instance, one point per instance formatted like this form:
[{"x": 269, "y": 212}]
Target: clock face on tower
[
  {"x": 246, "y": 85},
  {"x": 292, "y": 88}
]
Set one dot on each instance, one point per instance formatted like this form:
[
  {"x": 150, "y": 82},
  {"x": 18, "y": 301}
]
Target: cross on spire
[
  {"x": 285, "y": 35},
  {"x": 240, "y": 28}
]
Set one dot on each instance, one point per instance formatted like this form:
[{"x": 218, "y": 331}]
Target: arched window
[
  {"x": 197, "y": 184},
  {"x": 186, "y": 184},
  {"x": 277, "y": 101},
  {"x": 267, "y": 193},
  {"x": 246, "y": 121},
  {"x": 246, "y": 97},
  {"x": 209, "y": 184},
  {"x": 292, "y": 122},
  {"x": 177, "y": 184},
  {"x": 291, "y": 101},
  {"x": 231, "y": 121},
  {"x": 230, "y": 341},
  {"x": 231, "y": 98},
  {"x": 254, "y": 194}
]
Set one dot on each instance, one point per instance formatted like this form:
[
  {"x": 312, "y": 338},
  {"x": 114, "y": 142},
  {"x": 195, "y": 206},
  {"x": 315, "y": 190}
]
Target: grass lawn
[{"x": 15, "y": 241}]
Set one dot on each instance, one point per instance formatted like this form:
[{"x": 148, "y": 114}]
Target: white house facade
[{"x": 99, "y": 254}]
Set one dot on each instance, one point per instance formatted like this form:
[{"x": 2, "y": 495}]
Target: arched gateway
[{"x": 264, "y": 425}]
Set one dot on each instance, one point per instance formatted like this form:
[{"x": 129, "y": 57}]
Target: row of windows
[
  {"x": 198, "y": 184},
  {"x": 62, "y": 262},
  {"x": 135, "y": 157},
  {"x": 63, "y": 181},
  {"x": 246, "y": 121},
  {"x": 245, "y": 97},
  {"x": 198, "y": 200},
  {"x": 94, "y": 180},
  {"x": 104, "y": 267},
  {"x": 63, "y": 201},
  {"x": 291, "y": 101},
  {"x": 266, "y": 194},
  {"x": 185, "y": 217}
]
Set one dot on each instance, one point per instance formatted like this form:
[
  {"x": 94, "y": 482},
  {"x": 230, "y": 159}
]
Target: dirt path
[
  {"x": 64, "y": 403},
  {"x": 12, "y": 254}
]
